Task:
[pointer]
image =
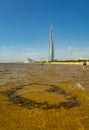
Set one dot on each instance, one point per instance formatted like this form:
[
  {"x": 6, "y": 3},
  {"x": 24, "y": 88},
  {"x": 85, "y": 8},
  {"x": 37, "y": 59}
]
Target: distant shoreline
[{"x": 69, "y": 63}]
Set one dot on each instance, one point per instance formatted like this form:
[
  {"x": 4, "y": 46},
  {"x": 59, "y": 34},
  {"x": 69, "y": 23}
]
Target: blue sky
[{"x": 25, "y": 26}]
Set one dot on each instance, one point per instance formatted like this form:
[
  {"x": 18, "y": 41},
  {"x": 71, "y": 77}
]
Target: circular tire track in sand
[{"x": 30, "y": 104}]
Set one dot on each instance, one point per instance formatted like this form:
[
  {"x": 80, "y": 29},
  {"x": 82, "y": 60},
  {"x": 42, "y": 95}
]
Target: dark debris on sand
[{"x": 30, "y": 104}]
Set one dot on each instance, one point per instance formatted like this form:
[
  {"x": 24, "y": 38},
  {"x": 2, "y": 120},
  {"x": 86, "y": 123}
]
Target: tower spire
[{"x": 51, "y": 45}]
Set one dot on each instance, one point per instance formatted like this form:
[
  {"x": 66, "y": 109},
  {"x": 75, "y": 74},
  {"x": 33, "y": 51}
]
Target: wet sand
[{"x": 44, "y": 97}]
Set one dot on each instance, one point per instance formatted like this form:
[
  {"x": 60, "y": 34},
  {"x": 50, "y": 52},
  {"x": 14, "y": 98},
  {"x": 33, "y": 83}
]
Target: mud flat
[{"x": 48, "y": 97}]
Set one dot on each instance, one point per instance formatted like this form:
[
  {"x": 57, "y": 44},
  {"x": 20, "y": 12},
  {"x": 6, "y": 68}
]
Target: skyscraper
[{"x": 51, "y": 46}]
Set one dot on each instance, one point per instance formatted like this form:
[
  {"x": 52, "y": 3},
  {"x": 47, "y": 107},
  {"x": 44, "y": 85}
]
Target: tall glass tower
[{"x": 51, "y": 46}]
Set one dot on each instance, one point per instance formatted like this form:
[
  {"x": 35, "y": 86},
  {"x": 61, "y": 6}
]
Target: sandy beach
[{"x": 44, "y": 97}]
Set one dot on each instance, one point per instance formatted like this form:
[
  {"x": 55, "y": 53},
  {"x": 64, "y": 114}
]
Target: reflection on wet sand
[{"x": 44, "y": 97}]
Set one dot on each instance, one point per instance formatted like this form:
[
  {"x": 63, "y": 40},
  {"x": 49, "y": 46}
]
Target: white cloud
[
  {"x": 59, "y": 51},
  {"x": 4, "y": 47},
  {"x": 87, "y": 48},
  {"x": 5, "y": 53},
  {"x": 71, "y": 48},
  {"x": 7, "y": 47},
  {"x": 35, "y": 53},
  {"x": 29, "y": 49},
  {"x": 75, "y": 48}
]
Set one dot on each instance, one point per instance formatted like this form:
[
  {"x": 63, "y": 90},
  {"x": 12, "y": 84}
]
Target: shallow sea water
[{"x": 43, "y": 97}]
